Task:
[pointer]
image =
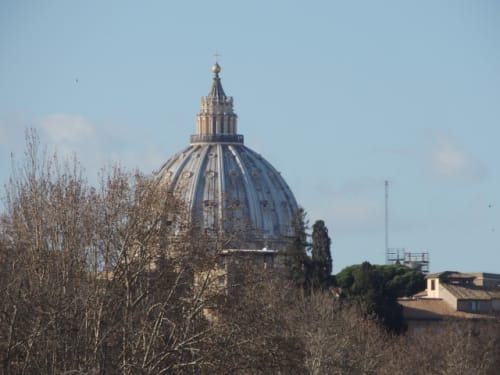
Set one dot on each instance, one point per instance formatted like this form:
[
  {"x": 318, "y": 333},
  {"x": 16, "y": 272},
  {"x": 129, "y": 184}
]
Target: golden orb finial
[{"x": 216, "y": 68}]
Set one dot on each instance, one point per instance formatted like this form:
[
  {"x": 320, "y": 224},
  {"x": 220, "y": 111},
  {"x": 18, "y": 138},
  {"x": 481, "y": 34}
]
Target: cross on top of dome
[{"x": 216, "y": 67}]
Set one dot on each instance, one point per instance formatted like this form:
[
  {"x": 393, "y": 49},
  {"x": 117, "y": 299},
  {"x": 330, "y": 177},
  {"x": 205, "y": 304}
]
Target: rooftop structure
[
  {"x": 454, "y": 295},
  {"x": 419, "y": 261}
]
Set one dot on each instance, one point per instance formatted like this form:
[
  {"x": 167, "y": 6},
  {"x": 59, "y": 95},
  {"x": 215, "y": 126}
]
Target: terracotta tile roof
[
  {"x": 462, "y": 275},
  {"x": 421, "y": 294},
  {"x": 452, "y": 275},
  {"x": 433, "y": 309},
  {"x": 471, "y": 292}
]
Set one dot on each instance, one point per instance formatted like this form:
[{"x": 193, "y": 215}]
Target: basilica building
[{"x": 227, "y": 188}]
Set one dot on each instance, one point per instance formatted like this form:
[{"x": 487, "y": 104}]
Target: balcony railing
[{"x": 223, "y": 138}]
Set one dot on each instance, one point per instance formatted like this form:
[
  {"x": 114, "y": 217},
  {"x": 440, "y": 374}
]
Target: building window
[{"x": 433, "y": 284}]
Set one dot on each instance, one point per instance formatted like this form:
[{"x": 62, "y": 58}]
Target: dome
[{"x": 227, "y": 187}]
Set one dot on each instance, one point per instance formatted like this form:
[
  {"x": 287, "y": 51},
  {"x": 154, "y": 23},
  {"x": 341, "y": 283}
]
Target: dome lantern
[{"x": 216, "y": 121}]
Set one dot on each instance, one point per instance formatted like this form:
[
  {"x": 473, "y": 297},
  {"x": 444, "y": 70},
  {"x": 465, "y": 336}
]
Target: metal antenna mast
[
  {"x": 386, "y": 216},
  {"x": 418, "y": 261}
]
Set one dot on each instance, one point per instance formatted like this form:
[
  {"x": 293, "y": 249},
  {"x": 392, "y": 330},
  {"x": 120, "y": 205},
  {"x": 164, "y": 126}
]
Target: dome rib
[
  {"x": 248, "y": 186},
  {"x": 193, "y": 208},
  {"x": 222, "y": 186}
]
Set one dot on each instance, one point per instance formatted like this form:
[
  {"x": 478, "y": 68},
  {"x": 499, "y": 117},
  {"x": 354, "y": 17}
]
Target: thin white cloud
[
  {"x": 356, "y": 207},
  {"x": 362, "y": 185},
  {"x": 12, "y": 130},
  {"x": 449, "y": 160},
  {"x": 350, "y": 208},
  {"x": 356, "y": 214},
  {"x": 64, "y": 128},
  {"x": 5, "y": 131},
  {"x": 95, "y": 144}
]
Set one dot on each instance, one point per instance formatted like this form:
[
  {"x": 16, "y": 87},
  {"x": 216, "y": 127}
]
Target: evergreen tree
[
  {"x": 376, "y": 289},
  {"x": 297, "y": 260},
  {"x": 321, "y": 258}
]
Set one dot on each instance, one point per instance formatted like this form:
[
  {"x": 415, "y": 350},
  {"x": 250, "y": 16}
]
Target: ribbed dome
[{"x": 227, "y": 187}]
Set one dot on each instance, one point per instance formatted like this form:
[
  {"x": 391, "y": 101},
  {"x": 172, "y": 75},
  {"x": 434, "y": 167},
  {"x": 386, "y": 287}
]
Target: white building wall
[
  {"x": 446, "y": 296},
  {"x": 433, "y": 286}
]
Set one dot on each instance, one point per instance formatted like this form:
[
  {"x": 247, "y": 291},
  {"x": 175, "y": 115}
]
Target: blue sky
[{"x": 338, "y": 96}]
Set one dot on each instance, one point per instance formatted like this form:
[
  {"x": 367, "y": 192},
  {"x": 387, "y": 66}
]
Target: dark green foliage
[
  {"x": 297, "y": 260},
  {"x": 321, "y": 258},
  {"x": 397, "y": 280},
  {"x": 376, "y": 289},
  {"x": 310, "y": 272},
  {"x": 402, "y": 281}
]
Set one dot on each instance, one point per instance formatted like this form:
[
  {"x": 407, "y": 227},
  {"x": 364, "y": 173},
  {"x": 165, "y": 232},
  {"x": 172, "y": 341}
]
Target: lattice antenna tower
[{"x": 419, "y": 260}]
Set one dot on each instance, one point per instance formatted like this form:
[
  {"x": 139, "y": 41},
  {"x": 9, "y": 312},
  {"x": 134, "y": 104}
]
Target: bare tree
[
  {"x": 111, "y": 280},
  {"x": 88, "y": 283},
  {"x": 453, "y": 347}
]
